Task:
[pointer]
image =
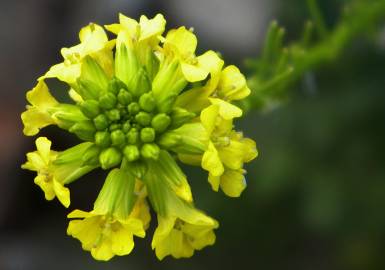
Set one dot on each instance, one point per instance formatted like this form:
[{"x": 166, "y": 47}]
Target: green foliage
[{"x": 280, "y": 65}]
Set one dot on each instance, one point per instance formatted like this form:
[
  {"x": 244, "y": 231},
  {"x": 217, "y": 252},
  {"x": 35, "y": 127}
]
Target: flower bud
[
  {"x": 115, "y": 85},
  {"x": 102, "y": 139},
  {"x": 143, "y": 118},
  {"x": 90, "y": 108},
  {"x": 124, "y": 97},
  {"x": 133, "y": 108},
  {"x": 126, "y": 126},
  {"x": 110, "y": 157},
  {"x": 161, "y": 122},
  {"x": 169, "y": 140},
  {"x": 107, "y": 101},
  {"x": 131, "y": 152},
  {"x": 147, "y": 102},
  {"x": 115, "y": 127},
  {"x": 101, "y": 122},
  {"x": 118, "y": 137},
  {"x": 150, "y": 151},
  {"x": 141, "y": 83},
  {"x": 91, "y": 155},
  {"x": 113, "y": 114},
  {"x": 85, "y": 130},
  {"x": 132, "y": 136},
  {"x": 180, "y": 116},
  {"x": 147, "y": 135}
]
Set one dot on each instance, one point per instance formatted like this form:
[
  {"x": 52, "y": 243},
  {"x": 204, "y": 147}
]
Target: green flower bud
[
  {"x": 118, "y": 138},
  {"x": 143, "y": 118},
  {"x": 107, "y": 101},
  {"x": 133, "y": 108},
  {"x": 110, "y": 157},
  {"x": 113, "y": 115},
  {"x": 115, "y": 126},
  {"x": 85, "y": 130},
  {"x": 124, "y": 97},
  {"x": 114, "y": 85},
  {"x": 102, "y": 139},
  {"x": 90, "y": 108},
  {"x": 150, "y": 151},
  {"x": 169, "y": 140},
  {"x": 131, "y": 152},
  {"x": 140, "y": 83},
  {"x": 126, "y": 126},
  {"x": 101, "y": 122},
  {"x": 147, "y": 102},
  {"x": 91, "y": 156},
  {"x": 180, "y": 116},
  {"x": 161, "y": 122},
  {"x": 132, "y": 136},
  {"x": 67, "y": 115},
  {"x": 147, "y": 135}
]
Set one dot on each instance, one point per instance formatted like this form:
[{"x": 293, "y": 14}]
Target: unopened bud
[
  {"x": 131, "y": 152},
  {"x": 91, "y": 155},
  {"x": 150, "y": 151},
  {"x": 118, "y": 137},
  {"x": 132, "y": 136},
  {"x": 90, "y": 108},
  {"x": 147, "y": 102},
  {"x": 113, "y": 114},
  {"x": 110, "y": 157},
  {"x": 101, "y": 122},
  {"x": 107, "y": 101},
  {"x": 133, "y": 108},
  {"x": 124, "y": 97},
  {"x": 102, "y": 139},
  {"x": 85, "y": 130},
  {"x": 147, "y": 135},
  {"x": 160, "y": 122},
  {"x": 143, "y": 118},
  {"x": 169, "y": 140},
  {"x": 180, "y": 116}
]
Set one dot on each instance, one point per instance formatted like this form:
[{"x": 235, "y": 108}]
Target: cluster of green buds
[{"x": 142, "y": 102}]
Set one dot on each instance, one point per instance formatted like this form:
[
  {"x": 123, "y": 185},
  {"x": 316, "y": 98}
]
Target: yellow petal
[
  {"x": 232, "y": 84},
  {"x": 214, "y": 181},
  {"x": 68, "y": 73},
  {"x": 62, "y": 193},
  {"x": 233, "y": 183},
  {"x": 183, "y": 40},
  {"x": 211, "y": 161},
  {"x": 209, "y": 118},
  {"x": 227, "y": 110},
  {"x": 193, "y": 73},
  {"x": 46, "y": 186},
  {"x": 122, "y": 241},
  {"x": 151, "y": 28},
  {"x": 43, "y": 146}
]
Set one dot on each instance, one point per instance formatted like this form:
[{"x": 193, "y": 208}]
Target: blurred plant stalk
[{"x": 279, "y": 66}]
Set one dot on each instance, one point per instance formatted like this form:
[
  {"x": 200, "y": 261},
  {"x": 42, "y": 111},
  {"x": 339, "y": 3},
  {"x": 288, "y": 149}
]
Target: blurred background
[{"x": 316, "y": 194}]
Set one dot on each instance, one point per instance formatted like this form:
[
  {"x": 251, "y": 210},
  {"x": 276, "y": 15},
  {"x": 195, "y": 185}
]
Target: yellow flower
[
  {"x": 182, "y": 232},
  {"x": 223, "y": 87},
  {"x": 130, "y": 31},
  {"x": 93, "y": 42},
  {"x": 104, "y": 234},
  {"x": 37, "y": 115},
  {"x": 41, "y": 162},
  {"x": 181, "y": 44},
  {"x": 109, "y": 229}
]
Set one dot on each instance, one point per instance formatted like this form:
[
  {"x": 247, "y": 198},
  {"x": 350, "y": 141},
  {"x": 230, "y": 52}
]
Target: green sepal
[
  {"x": 110, "y": 157},
  {"x": 92, "y": 71},
  {"x": 126, "y": 65},
  {"x": 67, "y": 115},
  {"x": 169, "y": 140},
  {"x": 114, "y": 85},
  {"x": 91, "y": 155},
  {"x": 90, "y": 108},
  {"x": 193, "y": 139},
  {"x": 140, "y": 83},
  {"x": 151, "y": 63},
  {"x": 138, "y": 168},
  {"x": 180, "y": 116},
  {"x": 69, "y": 166},
  {"x": 117, "y": 194},
  {"x": 85, "y": 130}
]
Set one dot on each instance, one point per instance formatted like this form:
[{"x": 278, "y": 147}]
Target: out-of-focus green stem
[{"x": 267, "y": 83}]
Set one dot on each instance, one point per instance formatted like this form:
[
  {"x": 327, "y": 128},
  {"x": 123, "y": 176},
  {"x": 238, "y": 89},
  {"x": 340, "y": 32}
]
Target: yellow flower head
[{"x": 141, "y": 103}]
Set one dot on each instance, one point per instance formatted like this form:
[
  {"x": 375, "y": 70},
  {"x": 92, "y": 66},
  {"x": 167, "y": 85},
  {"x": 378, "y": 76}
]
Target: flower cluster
[{"x": 141, "y": 102}]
